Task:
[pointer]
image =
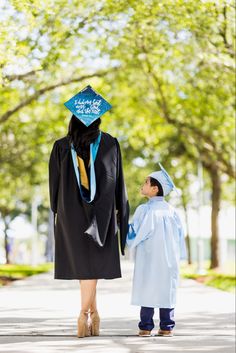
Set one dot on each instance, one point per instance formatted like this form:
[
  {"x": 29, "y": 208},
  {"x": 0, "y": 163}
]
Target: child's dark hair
[{"x": 154, "y": 182}]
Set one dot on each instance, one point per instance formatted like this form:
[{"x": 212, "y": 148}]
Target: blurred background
[{"x": 167, "y": 68}]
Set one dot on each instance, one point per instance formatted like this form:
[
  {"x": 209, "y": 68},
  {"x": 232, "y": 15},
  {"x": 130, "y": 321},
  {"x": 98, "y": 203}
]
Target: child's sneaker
[
  {"x": 165, "y": 333},
  {"x": 144, "y": 333}
]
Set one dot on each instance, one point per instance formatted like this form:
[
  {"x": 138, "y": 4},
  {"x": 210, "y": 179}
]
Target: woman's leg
[
  {"x": 94, "y": 317},
  {"x": 88, "y": 300},
  {"x": 93, "y": 306},
  {"x": 88, "y": 294}
]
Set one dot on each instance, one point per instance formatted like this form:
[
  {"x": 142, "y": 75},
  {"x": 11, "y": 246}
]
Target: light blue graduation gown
[{"x": 157, "y": 236}]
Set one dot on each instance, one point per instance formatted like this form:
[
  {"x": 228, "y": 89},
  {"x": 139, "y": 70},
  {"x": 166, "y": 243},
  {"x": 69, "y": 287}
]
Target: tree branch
[
  {"x": 209, "y": 143},
  {"x": 41, "y": 91},
  {"x": 223, "y": 32},
  {"x": 20, "y": 76}
]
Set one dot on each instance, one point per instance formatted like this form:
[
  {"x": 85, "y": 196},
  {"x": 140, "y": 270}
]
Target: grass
[
  {"x": 213, "y": 278},
  {"x": 9, "y": 273}
]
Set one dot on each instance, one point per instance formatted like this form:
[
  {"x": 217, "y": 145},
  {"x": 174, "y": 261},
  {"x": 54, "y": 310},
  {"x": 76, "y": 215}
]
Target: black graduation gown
[{"x": 76, "y": 255}]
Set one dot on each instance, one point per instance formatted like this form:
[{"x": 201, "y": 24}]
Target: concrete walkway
[{"x": 39, "y": 315}]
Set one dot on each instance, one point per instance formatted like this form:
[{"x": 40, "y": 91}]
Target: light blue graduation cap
[
  {"x": 164, "y": 179},
  {"x": 87, "y": 105}
]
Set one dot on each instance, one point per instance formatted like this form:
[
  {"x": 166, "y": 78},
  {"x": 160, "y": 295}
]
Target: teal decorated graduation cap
[
  {"x": 87, "y": 105},
  {"x": 164, "y": 179}
]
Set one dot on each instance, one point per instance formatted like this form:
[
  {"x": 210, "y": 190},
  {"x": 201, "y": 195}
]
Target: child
[{"x": 158, "y": 238}]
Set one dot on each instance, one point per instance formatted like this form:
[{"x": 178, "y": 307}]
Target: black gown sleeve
[
  {"x": 122, "y": 204},
  {"x": 54, "y": 176}
]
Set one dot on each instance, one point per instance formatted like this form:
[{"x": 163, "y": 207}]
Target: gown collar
[{"x": 156, "y": 198}]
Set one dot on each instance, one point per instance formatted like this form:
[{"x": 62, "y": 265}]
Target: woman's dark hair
[
  {"x": 154, "y": 182},
  {"x": 82, "y": 136}
]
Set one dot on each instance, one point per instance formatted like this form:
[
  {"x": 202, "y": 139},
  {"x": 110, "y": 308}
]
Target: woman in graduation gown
[{"x": 88, "y": 198}]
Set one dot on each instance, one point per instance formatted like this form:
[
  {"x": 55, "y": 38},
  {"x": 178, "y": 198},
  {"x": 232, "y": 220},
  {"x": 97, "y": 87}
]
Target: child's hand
[{"x": 131, "y": 232}]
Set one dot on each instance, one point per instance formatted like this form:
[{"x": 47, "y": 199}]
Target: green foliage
[
  {"x": 12, "y": 272},
  {"x": 167, "y": 70},
  {"x": 222, "y": 282},
  {"x": 216, "y": 280},
  {"x": 224, "y": 279}
]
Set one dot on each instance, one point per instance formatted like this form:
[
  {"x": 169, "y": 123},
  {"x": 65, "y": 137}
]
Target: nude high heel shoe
[
  {"x": 95, "y": 323},
  {"x": 82, "y": 325}
]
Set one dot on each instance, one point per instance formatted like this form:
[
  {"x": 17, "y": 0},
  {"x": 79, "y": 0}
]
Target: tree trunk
[
  {"x": 6, "y": 241},
  {"x": 187, "y": 239},
  {"x": 216, "y": 195}
]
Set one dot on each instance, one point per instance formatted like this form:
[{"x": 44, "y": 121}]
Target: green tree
[
  {"x": 167, "y": 69},
  {"x": 176, "y": 66}
]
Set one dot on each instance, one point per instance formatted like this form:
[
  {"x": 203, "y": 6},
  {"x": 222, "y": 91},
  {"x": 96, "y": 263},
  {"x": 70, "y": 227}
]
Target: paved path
[{"x": 39, "y": 315}]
